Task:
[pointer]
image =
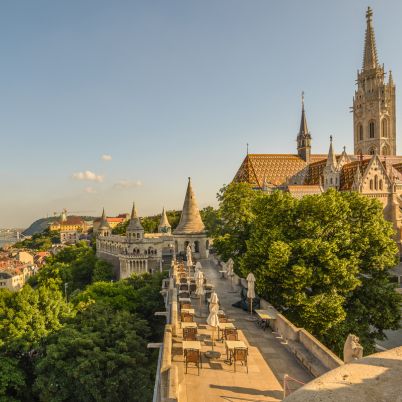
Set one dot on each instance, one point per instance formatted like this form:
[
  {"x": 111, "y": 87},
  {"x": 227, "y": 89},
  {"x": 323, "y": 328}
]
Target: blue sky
[{"x": 169, "y": 89}]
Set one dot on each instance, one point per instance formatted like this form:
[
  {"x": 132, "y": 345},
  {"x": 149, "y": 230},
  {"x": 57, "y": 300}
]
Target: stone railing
[
  {"x": 315, "y": 356},
  {"x": 168, "y": 375}
]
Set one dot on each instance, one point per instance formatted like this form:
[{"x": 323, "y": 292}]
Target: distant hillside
[{"x": 41, "y": 224}]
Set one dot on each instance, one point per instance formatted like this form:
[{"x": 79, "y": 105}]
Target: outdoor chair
[
  {"x": 240, "y": 355},
  {"x": 189, "y": 334},
  {"x": 184, "y": 295},
  {"x": 183, "y": 286},
  {"x": 223, "y": 319},
  {"x": 186, "y": 305},
  {"x": 185, "y": 317},
  {"x": 193, "y": 356},
  {"x": 183, "y": 280},
  {"x": 193, "y": 287}
]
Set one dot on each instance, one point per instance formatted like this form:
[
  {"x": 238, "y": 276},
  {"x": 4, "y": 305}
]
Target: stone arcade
[{"x": 140, "y": 252}]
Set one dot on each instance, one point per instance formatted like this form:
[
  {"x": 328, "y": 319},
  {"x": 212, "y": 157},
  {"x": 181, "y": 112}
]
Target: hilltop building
[
  {"x": 69, "y": 223},
  {"x": 140, "y": 252},
  {"x": 13, "y": 273},
  {"x": 113, "y": 221},
  {"x": 373, "y": 170}
]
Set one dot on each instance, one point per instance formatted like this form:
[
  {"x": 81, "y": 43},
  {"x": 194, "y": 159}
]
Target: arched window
[
  {"x": 360, "y": 132},
  {"x": 385, "y": 150},
  {"x": 381, "y": 184},
  {"x": 331, "y": 180},
  {"x": 384, "y": 127},
  {"x": 371, "y": 184},
  {"x": 375, "y": 182},
  {"x": 372, "y": 129},
  {"x": 372, "y": 151}
]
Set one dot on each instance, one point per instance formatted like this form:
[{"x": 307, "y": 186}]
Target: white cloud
[
  {"x": 87, "y": 175},
  {"x": 123, "y": 184},
  {"x": 90, "y": 190},
  {"x": 106, "y": 157}
]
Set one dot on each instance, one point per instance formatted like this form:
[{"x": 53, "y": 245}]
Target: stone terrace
[{"x": 268, "y": 360}]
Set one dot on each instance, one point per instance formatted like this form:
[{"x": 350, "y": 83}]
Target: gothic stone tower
[
  {"x": 374, "y": 122},
  {"x": 304, "y": 137}
]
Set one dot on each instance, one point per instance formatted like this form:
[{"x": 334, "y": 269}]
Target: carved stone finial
[{"x": 352, "y": 350}]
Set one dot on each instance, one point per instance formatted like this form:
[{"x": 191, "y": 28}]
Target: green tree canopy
[{"x": 100, "y": 356}]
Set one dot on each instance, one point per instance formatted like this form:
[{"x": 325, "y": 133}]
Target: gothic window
[
  {"x": 372, "y": 129},
  {"x": 197, "y": 246},
  {"x": 384, "y": 127},
  {"x": 371, "y": 184},
  {"x": 380, "y": 184},
  {"x": 375, "y": 182},
  {"x": 385, "y": 150},
  {"x": 360, "y": 131},
  {"x": 372, "y": 151},
  {"x": 331, "y": 180}
]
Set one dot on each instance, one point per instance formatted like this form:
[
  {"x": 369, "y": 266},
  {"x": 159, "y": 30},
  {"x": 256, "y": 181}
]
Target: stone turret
[
  {"x": 104, "y": 227},
  {"x": 135, "y": 230},
  {"x": 191, "y": 229},
  {"x": 164, "y": 225},
  {"x": 190, "y": 219},
  {"x": 331, "y": 170}
]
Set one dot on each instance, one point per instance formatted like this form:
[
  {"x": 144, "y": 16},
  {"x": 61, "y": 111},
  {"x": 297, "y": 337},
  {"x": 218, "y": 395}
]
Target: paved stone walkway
[{"x": 269, "y": 360}]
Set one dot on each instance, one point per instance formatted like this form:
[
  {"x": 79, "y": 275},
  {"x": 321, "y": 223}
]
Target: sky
[{"x": 106, "y": 102}]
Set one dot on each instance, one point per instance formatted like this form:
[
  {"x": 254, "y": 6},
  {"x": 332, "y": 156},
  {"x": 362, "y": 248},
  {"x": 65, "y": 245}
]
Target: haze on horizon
[{"x": 103, "y": 102}]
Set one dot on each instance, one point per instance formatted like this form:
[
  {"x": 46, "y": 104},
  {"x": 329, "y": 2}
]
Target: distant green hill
[{"x": 41, "y": 224}]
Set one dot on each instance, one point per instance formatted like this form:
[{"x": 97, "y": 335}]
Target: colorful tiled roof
[{"x": 299, "y": 191}]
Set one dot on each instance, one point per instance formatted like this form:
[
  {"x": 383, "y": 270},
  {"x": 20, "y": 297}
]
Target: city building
[
  {"x": 140, "y": 252},
  {"x": 373, "y": 170},
  {"x": 13, "y": 273},
  {"x": 69, "y": 223}
]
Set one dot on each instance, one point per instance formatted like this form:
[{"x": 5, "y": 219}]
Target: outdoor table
[
  {"x": 224, "y": 325},
  {"x": 183, "y": 291},
  {"x": 230, "y": 345},
  {"x": 188, "y": 310},
  {"x": 191, "y": 345},
  {"x": 189, "y": 325},
  {"x": 265, "y": 316},
  {"x": 184, "y": 300}
]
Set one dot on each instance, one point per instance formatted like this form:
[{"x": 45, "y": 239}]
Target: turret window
[
  {"x": 372, "y": 129},
  {"x": 380, "y": 184},
  {"x": 371, "y": 184}
]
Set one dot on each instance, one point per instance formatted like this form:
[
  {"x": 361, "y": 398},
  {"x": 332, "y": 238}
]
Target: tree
[
  {"x": 100, "y": 356},
  {"x": 233, "y": 220},
  {"x": 320, "y": 259},
  {"x": 12, "y": 379}
]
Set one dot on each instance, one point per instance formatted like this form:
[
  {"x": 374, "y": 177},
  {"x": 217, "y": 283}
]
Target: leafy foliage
[
  {"x": 100, "y": 356},
  {"x": 323, "y": 260},
  {"x": 40, "y": 241}
]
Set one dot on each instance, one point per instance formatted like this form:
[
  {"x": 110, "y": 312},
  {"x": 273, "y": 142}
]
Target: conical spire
[
  {"x": 104, "y": 224},
  {"x": 331, "y": 160},
  {"x": 190, "y": 219},
  {"x": 164, "y": 225},
  {"x": 357, "y": 179},
  {"x": 135, "y": 223},
  {"x": 370, "y": 59},
  {"x": 303, "y": 122},
  {"x": 390, "y": 79}
]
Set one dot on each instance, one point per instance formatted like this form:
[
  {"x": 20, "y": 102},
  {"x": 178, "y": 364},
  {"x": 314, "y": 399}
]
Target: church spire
[
  {"x": 370, "y": 59},
  {"x": 134, "y": 228},
  {"x": 304, "y": 137},
  {"x": 190, "y": 219},
  {"x": 331, "y": 160}
]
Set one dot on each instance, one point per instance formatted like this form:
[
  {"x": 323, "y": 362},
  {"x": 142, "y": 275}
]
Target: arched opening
[
  {"x": 360, "y": 132},
  {"x": 372, "y": 151},
  {"x": 331, "y": 181},
  {"x": 197, "y": 246},
  {"x": 372, "y": 129},
  {"x": 375, "y": 182},
  {"x": 380, "y": 184},
  {"x": 371, "y": 184},
  {"x": 384, "y": 127},
  {"x": 207, "y": 245}
]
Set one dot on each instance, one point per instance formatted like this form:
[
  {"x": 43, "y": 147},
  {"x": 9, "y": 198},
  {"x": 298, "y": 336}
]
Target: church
[
  {"x": 139, "y": 252},
  {"x": 373, "y": 170}
]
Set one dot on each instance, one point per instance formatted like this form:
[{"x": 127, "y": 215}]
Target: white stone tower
[
  {"x": 135, "y": 230},
  {"x": 374, "y": 122},
  {"x": 104, "y": 227}
]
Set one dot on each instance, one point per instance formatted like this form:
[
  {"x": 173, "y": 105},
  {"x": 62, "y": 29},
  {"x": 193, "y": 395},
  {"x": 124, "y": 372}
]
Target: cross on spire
[{"x": 370, "y": 59}]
